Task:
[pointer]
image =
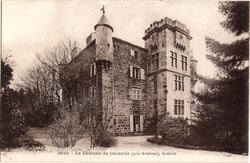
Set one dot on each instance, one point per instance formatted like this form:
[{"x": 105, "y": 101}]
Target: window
[
  {"x": 155, "y": 105},
  {"x": 137, "y": 73},
  {"x": 179, "y": 82},
  {"x": 173, "y": 59},
  {"x": 155, "y": 85},
  {"x": 155, "y": 61},
  {"x": 92, "y": 91},
  {"x": 175, "y": 107},
  {"x": 135, "y": 94},
  {"x": 184, "y": 62},
  {"x": 178, "y": 107},
  {"x": 136, "y": 54},
  {"x": 92, "y": 69},
  {"x": 132, "y": 52}
]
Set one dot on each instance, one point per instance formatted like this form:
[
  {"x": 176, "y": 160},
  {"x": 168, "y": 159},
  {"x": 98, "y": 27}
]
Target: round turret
[
  {"x": 193, "y": 66},
  {"x": 104, "y": 42}
]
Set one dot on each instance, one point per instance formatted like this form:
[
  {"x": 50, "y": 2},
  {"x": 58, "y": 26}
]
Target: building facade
[{"x": 132, "y": 83}]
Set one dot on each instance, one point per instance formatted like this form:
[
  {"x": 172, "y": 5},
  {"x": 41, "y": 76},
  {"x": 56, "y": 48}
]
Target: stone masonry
[{"x": 140, "y": 81}]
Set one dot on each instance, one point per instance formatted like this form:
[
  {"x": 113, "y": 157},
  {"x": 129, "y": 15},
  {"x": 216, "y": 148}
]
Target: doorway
[{"x": 136, "y": 119}]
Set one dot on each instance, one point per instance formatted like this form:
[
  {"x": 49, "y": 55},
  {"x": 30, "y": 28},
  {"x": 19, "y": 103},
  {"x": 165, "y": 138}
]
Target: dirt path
[{"x": 136, "y": 148}]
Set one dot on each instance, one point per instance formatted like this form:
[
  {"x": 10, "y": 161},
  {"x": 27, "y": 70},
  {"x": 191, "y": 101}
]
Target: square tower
[{"x": 168, "y": 77}]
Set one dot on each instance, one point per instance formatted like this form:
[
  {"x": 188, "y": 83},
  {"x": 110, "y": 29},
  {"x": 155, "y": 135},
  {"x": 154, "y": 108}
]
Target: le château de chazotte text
[{"x": 128, "y": 153}]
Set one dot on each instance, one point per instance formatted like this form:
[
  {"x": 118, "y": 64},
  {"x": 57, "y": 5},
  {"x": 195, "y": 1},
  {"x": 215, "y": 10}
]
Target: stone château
[{"x": 142, "y": 82}]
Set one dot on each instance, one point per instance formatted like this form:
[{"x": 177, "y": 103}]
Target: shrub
[
  {"x": 173, "y": 130},
  {"x": 26, "y": 142},
  {"x": 151, "y": 125},
  {"x": 13, "y": 128},
  {"x": 67, "y": 128},
  {"x": 105, "y": 139},
  {"x": 31, "y": 144}
]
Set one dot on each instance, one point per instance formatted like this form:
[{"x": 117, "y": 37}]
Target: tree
[
  {"x": 41, "y": 82},
  {"x": 237, "y": 16},
  {"x": 224, "y": 101},
  {"x": 12, "y": 119},
  {"x": 6, "y": 73}
]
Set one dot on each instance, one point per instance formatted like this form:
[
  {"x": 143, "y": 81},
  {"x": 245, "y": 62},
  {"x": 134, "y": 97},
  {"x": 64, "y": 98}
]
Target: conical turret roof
[
  {"x": 192, "y": 58},
  {"x": 104, "y": 21}
]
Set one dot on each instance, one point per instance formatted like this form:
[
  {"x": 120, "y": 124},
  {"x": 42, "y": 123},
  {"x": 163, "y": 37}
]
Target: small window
[
  {"x": 92, "y": 69},
  {"x": 136, "y": 72},
  {"x": 92, "y": 91},
  {"x": 175, "y": 107},
  {"x": 155, "y": 105},
  {"x": 184, "y": 63},
  {"x": 136, "y": 54},
  {"x": 135, "y": 94},
  {"x": 132, "y": 52},
  {"x": 155, "y": 61},
  {"x": 173, "y": 59},
  {"x": 155, "y": 86},
  {"x": 179, "y": 82},
  {"x": 178, "y": 107}
]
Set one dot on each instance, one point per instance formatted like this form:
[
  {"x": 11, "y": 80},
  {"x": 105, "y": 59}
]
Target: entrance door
[{"x": 136, "y": 123}]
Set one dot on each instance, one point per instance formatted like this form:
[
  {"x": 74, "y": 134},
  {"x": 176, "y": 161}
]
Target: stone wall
[
  {"x": 123, "y": 84},
  {"x": 162, "y": 38},
  {"x": 75, "y": 77}
]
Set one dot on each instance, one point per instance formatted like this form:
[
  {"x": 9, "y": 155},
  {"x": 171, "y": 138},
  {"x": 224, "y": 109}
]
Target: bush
[
  {"x": 67, "y": 128},
  {"x": 173, "y": 130},
  {"x": 105, "y": 139},
  {"x": 26, "y": 142},
  {"x": 151, "y": 125},
  {"x": 31, "y": 144},
  {"x": 13, "y": 128}
]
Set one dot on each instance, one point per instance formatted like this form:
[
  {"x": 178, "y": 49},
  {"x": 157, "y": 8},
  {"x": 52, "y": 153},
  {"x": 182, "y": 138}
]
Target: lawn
[{"x": 128, "y": 148}]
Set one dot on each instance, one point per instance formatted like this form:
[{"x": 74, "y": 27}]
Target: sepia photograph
[{"x": 124, "y": 81}]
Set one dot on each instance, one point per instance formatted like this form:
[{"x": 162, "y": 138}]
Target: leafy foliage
[
  {"x": 223, "y": 103},
  {"x": 173, "y": 130},
  {"x": 237, "y": 16},
  {"x": 105, "y": 138},
  {"x": 228, "y": 57},
  {"x": 12, "y": 118},
  {"x": 6, "y": 74}
]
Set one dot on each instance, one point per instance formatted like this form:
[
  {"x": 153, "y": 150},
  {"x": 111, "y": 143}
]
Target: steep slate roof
[{"x": 104, "y": 21}]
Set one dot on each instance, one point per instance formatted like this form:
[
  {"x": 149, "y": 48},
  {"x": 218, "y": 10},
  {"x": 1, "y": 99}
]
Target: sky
[{"x": 30, "y": 27}]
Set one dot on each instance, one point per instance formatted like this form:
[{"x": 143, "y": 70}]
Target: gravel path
[{"x": 130, "y": 148}]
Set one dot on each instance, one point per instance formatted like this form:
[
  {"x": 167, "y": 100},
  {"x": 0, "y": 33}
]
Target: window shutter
[
  {"x": 142, "y": 74},
  {"x": 140, "y": 94},
  {"x": 91, "y": 70},
  {"x": 94, "y": 69},
  {"x": 132, "y": 52},
  {"x": 131, "y": 71},
  {"x": 131, "y": 124},
  {"x": 141, "y": 122}
]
